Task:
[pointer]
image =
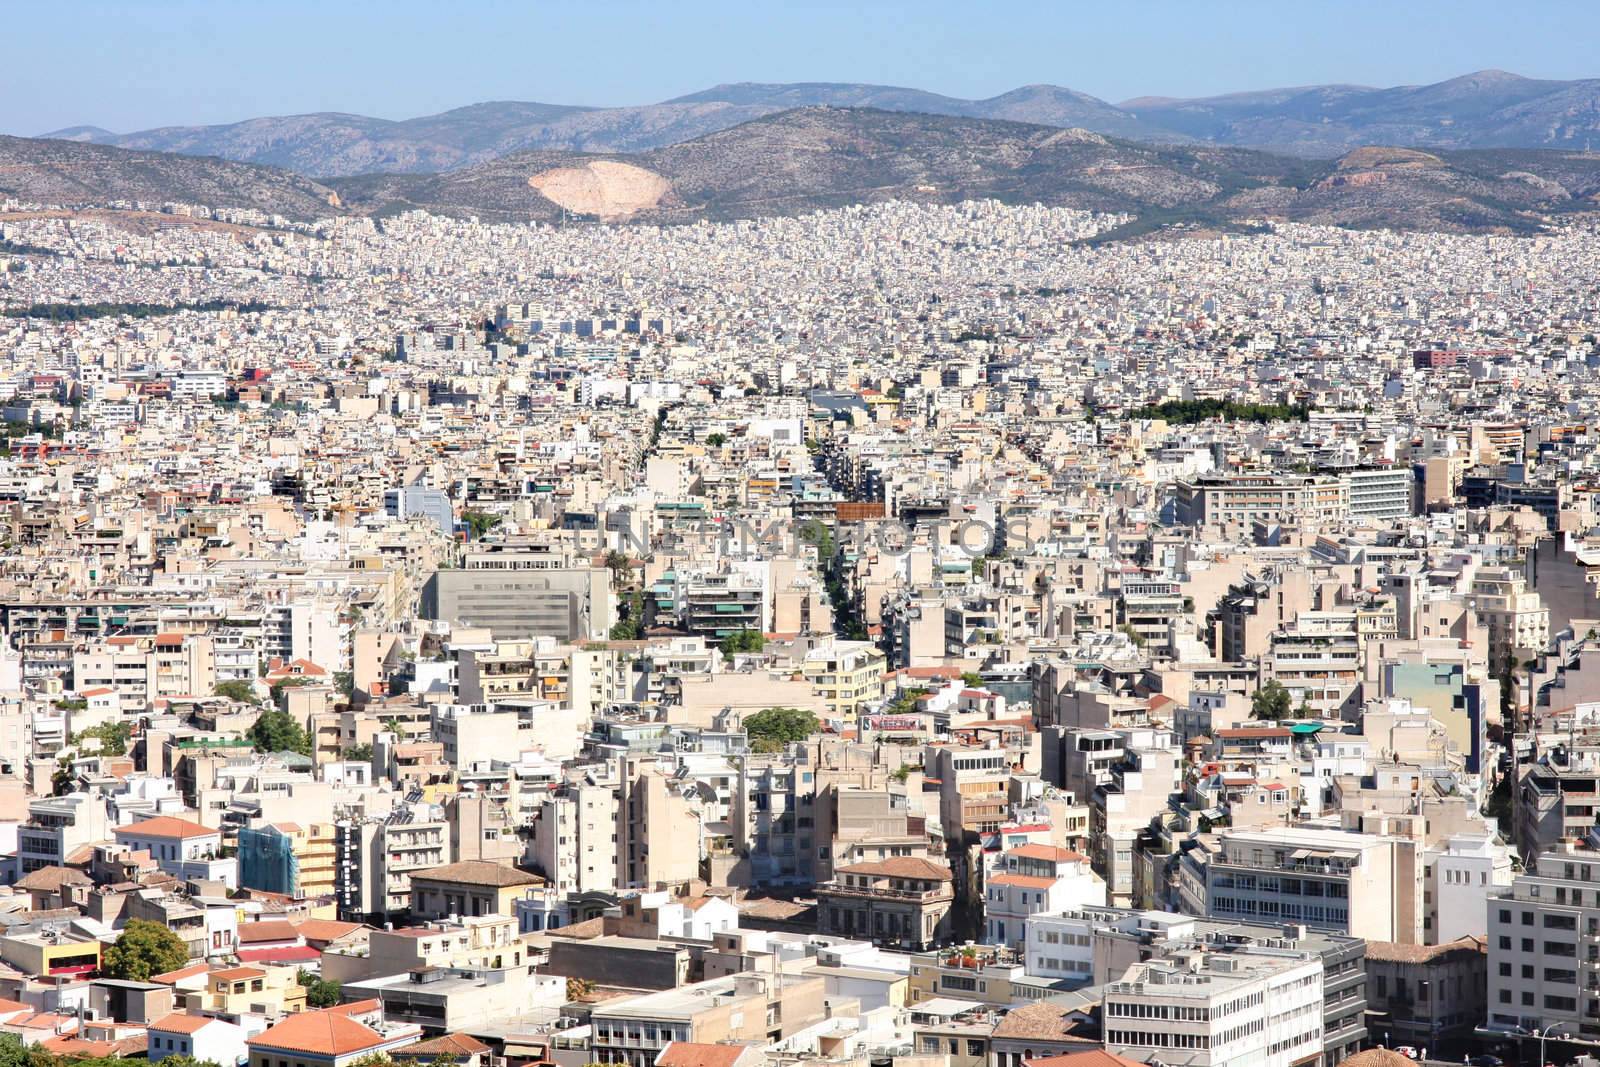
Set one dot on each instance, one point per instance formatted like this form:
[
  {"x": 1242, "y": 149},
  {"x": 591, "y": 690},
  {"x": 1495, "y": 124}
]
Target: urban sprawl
[{"x": 915, "y": 635}]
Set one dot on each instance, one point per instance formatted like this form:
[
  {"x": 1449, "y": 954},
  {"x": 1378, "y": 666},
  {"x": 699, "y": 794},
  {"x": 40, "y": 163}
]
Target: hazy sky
[{"x": 143, "y": 63}]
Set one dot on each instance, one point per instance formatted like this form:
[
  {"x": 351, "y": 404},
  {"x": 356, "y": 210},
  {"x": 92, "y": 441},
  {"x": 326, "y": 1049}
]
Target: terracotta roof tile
[
  {"x": 166, "y": 826},
  {"x": 325, "y": 1033},
  {"x": 696, "y": 1054}
]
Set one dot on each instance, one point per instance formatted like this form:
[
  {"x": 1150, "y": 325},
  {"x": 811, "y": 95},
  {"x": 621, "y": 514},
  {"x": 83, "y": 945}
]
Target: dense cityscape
[{"x": 912, "y": 634}]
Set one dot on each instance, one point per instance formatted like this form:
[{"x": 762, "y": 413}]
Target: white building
[
  {"x": 1033, "y": 880},
  {"x": 1063, "y": 945},
  {"x": 201, "y": 1037},
  {"x": 1204, "y": 1008},
  {"x": 1461, "y": 878},
  {"x": 1334, "y": 880},
  {"x": 1541, "y": 933}
]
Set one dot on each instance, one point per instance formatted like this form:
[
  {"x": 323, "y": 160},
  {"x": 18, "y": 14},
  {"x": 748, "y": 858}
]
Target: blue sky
[{"x": 143, "y": 63}]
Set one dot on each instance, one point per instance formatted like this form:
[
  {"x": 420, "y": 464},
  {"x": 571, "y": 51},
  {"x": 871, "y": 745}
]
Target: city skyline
[{"x": 197, "y": 65}]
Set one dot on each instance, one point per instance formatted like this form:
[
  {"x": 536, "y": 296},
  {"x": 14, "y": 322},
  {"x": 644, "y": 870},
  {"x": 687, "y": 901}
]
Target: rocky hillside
[
  {"x": 811, "y": 158},
  {"x": 814, "y": 158},
  {"x": 78, "y": 173}
]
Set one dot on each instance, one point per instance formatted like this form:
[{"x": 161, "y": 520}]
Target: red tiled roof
[
  {"x": 282, "y": 954},
  {"x": 445, "y": 1045},
  {"x": 1047, "y": 852},
  {"x": 1022, "y": 881},
  {"x": 323, "y": 1033},
  {"x": 171, "y": 977},
  {"x": 181, "y": 1023},
  {"x": 695, "y": 1054},
  {"x": 271, "y": 930},
  {"x": 901, "y": 867},
  {"x": 167, "y": 826}
]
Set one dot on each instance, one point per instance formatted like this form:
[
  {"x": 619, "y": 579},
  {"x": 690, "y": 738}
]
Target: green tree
[
  {"x": 276, "y": 731},
  {"x": 345, "y": 683},
  {"x": 480, "y": 523},
  {"x": 319, "y": 993},
  {"x": 113, "y": 737},
  {"x": 631, "y": 626},
  {"x": 144, "y": 948},
  {"x": 1271, "y": 702},
  {"x": 771, "y": 728},
  {"x": 168, "y": 1061},
  {"x": 972, "y": 679},
  {"x": 716, "y": 440},
  {"x": 742, "y": 641},
  {"x": 362, "y": 753},
  {"x": 61, "y": 783},
  {"x": 13, "y": 1053},
  {"x": 617, "y": 564},
  {"x": 241, "y": 691}
]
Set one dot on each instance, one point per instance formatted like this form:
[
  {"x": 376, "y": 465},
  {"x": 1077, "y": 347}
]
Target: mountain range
[
  {"x": 809, "y": 158},
  {"x": 820, "y": 157},
  {"x": 1488, "y": 109}
]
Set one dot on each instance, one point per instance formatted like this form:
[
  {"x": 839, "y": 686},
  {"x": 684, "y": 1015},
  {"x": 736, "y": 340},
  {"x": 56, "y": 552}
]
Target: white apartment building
[
  {"x": 57, "y": 826},
  {"x": 1203, "y": 1008},
  {"x": 1032, "y": 880},
  {"x": 1062, "y": 945},
  {"x": 1461, "y": 877},
  {"x": 1515, "y": 616},
  {"x": 1333, "y": 880},
  {"x": 1544, "y": 946}
]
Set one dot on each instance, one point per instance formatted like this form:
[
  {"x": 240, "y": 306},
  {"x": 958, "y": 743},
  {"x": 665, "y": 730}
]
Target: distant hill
[
  {"x": 820, "y": 157},
  {"x": 79, "y": 173},
  {"x": 1488, "y": 109},
  {"x": 812, "y": 158}
]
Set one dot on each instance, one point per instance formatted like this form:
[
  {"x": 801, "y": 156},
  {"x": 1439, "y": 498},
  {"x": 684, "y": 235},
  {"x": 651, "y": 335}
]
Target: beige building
[
  {"x": 1516, "y": 617},
  {"x": 758, "y": 1008},
  {"x": 469, "y": 888},
  {"x": 901, "y": 903}
]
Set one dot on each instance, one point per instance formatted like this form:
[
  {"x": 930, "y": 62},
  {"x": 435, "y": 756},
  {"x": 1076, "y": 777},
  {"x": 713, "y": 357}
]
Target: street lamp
[{"x": 1544, "y": 1034}]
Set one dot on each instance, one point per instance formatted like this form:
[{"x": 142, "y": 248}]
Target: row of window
[
  {"x": 1135, "y": 1010},
  {"x": 1157, "y": 1039}
]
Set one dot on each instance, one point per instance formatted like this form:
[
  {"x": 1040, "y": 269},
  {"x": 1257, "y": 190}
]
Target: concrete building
[
  {"x": 761, "y": 1008},
  {"x": 1363, "y": 885},
  {"x": 1544, "y": 946},
  {"x": 1424, "y": 995},
  {"x": 1033, "y": 880},
  {"x": 1202, "y": 1008},
  {"x": 902, "y": 903},
  {"x": 469, "y": 888},
  {"x": 519, "y": 597}
]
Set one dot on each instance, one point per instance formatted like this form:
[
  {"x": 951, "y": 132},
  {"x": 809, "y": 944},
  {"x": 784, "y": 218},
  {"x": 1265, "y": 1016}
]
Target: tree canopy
[
  {"x": 144, "y": 948},
  {"x": 277, "y": 731},
  {"x": 771, "y": 728},
  {"x": 319, "y": 992},
  {"x": 243, "y": 692},
  {"x": 113, "y": 737},
  {"x": 1181, "y": 412},
  {"x": 742, "y": 641},
  {"x": 479, "y": 523},
  {"x": 1272, "y": 702}
]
